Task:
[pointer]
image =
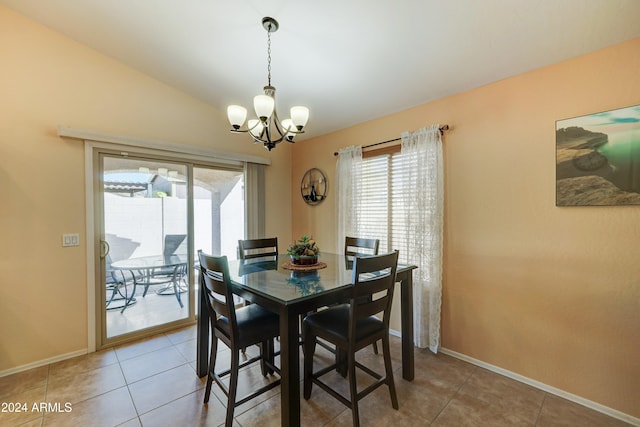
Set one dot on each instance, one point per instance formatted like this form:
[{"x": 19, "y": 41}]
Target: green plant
[{"x": 305, "y": 246}]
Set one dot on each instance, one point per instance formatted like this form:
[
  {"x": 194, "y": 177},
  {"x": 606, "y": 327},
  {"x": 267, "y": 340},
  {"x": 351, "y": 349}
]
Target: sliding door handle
[{"x": 104, "y": 249}]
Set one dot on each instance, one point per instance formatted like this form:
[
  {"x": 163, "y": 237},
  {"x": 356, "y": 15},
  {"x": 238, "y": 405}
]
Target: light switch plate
[{"x": 71, "y": 239}]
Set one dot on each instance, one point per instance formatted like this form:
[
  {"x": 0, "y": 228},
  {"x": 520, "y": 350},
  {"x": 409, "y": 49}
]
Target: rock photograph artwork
[{"x": 598, "y": 159}]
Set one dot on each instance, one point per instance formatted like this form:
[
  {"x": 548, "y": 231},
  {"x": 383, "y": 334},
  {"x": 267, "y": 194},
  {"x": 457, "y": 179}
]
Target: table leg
[
  {"x": 133, "y": 292},
  {"x": 406, "y": 307},
  {"x": 289, "y": 369}
]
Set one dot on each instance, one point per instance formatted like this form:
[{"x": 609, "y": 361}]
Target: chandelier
[{"x": 268, "y": 128}]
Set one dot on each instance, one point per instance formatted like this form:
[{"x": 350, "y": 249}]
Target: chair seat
[
  {"x": 255, "y": 323},
  {"x": 334, "y": 322}
]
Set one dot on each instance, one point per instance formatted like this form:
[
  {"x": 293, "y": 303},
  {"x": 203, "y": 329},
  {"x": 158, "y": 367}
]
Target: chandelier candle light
[{"x": 268, "y": 129}]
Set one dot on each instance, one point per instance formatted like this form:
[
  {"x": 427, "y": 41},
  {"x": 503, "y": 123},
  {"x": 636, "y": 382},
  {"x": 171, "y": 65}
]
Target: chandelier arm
[
  {"x": 265, "y": 137},
  {"x": 278, "y": 124},
  {"x": 280, "y": 127},
  {"x": 248, "y": 129},
  {"x": 260, "y": 138}
]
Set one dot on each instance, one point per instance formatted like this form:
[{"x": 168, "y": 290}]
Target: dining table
[{"x": 290, "y": 292}]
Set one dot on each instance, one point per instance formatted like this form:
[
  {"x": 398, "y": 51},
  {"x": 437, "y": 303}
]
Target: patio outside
[{"x": 140, "y": 209}]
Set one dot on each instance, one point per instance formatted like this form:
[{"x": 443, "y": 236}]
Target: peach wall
[
  {"x": 48, "y": 80},
  {"x": 549, "y": 293}
]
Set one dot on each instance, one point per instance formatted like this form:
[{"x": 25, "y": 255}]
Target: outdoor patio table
[{"x": 142, "y": 268}]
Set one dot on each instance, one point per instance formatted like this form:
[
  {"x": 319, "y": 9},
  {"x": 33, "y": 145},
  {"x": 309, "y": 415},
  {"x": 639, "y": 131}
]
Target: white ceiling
[{"x": 347, "y": 60}]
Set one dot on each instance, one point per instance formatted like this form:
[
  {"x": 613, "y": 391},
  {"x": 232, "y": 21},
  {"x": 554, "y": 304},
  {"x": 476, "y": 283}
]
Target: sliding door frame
[{"x": 142, "y": 150}]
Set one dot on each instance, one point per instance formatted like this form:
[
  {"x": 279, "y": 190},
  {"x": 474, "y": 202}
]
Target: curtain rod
[{"x": 441, "y": 129}]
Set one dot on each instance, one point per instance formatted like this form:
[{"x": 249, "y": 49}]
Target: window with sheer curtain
[
  {"x": 396, "y": 196},
  {"x": 382, "y": 212}
]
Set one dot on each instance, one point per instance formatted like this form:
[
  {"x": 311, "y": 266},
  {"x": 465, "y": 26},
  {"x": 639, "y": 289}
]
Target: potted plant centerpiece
[{"x": 304, "y": 251}]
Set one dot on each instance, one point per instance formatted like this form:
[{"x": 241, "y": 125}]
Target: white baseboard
[
  {"x": 43, "y": 362},
  {"x": 544, "y": 387}
]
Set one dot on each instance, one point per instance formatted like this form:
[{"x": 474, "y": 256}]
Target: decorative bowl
[{"x": 304, "y": 259}]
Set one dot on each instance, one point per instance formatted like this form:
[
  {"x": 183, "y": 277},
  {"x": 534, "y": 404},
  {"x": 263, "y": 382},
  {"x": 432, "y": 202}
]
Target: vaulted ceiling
[{"x": 348, "y": 61}]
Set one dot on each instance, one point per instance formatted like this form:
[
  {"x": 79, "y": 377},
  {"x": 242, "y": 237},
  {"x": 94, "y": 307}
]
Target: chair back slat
[
  {"x": 378, "y": 283},
  {"x": 257, "y": 248},
  {"x": 373, "y": 281},
  {"x": 214, "y": 278},
  {"x": 371, "y": 308},
  {"x": 354, "y": 246}
]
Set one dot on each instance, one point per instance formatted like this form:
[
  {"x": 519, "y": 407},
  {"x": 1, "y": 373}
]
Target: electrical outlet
[{"x": 70, "y": 240}]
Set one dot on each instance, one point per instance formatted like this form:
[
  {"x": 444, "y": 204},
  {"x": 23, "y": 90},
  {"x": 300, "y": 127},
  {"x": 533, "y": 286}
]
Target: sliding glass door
[
  {"x": 153, "y": 216},
  {"x": 218, "y": 210}
]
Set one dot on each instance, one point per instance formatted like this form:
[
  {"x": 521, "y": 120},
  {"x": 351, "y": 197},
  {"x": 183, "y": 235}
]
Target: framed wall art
[{"x": 598, "y": 159}]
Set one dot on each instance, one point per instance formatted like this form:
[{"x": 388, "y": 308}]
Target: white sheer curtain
[
  {"x": 254, "y": 200},
  {"x": 424, "y": 206},
  {"x": 348, "y": 179}
]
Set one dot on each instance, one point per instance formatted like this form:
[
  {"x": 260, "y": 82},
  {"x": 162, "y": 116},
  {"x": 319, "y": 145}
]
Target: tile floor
[{"x": 152, "y": 382}]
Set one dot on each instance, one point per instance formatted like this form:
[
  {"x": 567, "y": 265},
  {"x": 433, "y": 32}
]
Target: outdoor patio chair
[{"x": 173, "y": 277}]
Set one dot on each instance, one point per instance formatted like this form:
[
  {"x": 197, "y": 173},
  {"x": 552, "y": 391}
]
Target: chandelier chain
[{"x": 269, "y": 56}]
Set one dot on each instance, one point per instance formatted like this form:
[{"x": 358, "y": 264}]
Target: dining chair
[
  {"x": 252, "y": 249},
  {"x": 258, "y": 248},
  {"x": 236, "y": 328},
  {"x": 352, "y": 327},
  {"x": 354, "y": 246}
]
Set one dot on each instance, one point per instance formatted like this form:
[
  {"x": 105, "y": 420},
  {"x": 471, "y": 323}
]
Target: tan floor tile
[
  {"x": 186, "y": 411},
  {"x": 33, "y": 423},
  {"x": 487, "y": 398},
  {"x": 146, "y": 345},
  {"x": 516, "y": 400},
  {"x": 164, "y": 387},
  {"x": 69, "y": 387},
  {"x": 20, "y": 407},
  {"x": 558, "y": 412},
  {"x": 376, "y": 410},
  {"x": 265, "y": 414},
  {"x": 249, "y": 379},
  {"x": 181, "y": 335},
  {"x": 148, "y": 364},
  {"x": 22, "y": 381},
  {"x": 471, "y": 411},
  {"x": 188, "y": 349},
  {"x": 84, "y": 363},
  {"x": 424, "y": 398},
  {"x": 131, "y": 423},
  {"x": 109, "y": 409},
  {"x": 441, "y": 370},
  {"x": 437, "y": 380}
]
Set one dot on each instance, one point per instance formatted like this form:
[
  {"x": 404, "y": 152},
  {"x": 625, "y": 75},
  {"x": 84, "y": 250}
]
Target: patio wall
[{"x": 130, "y": 237}]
